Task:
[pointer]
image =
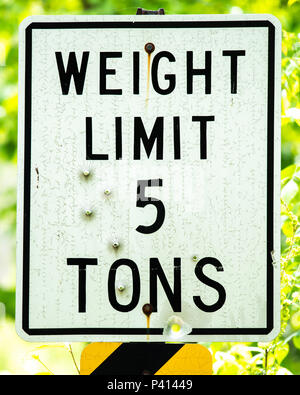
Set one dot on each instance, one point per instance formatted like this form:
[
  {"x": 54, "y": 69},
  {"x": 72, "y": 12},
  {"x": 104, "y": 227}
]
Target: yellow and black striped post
[{"x": 145, "y": 359}]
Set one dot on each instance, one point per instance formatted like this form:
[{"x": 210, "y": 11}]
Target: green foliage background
[{"x": 282, "y": 356}]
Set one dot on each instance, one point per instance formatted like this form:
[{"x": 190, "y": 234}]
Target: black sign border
[{"x": 27, "y": 171}]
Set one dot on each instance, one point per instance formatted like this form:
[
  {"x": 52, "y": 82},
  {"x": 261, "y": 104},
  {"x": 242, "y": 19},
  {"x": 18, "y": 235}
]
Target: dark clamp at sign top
[{"x": 141, "y": 11}]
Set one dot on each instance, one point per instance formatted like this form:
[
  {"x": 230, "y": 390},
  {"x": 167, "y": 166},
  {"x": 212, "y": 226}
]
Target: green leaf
[
  {"x": 288, "y": 172},
  {"x": 230, "y": 369},
  {"x": 271, "y": 359},
  {"x": 7, "y": 297},
  {"x": 297, "y": 233},
  {"x": 283, "y": 372},
  {"x": 281, "y": 351},
  {"x": 287, "y": 227},
  {"x": 296, "y": 341},
  {"x": 289, "y": 191},
  {"x": 294, "y": 334},
  {"x": 291, "y": 2},
  {"x": 296, "y": 177},
  {"x": 295, "y": 320}
]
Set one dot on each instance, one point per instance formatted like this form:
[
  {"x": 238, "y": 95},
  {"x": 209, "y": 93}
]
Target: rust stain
[
  {"x": 37, "y": 177},
  {"x": 148, "y": 78},
  {"x": 149, "y": 48},
  {"x": 148, "y": 326},
  {"x": 147, "y": 310}
]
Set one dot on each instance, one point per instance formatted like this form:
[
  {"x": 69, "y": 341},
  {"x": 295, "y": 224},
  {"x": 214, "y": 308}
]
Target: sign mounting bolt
[
  {"x": 88, "y": 213},
  {"x": 107, "y": 192},
  {"x": 121, "y": 287},
  {"x": 149, "y": 48},
  {"x": 116, "y": 244},
  {"x": 147, "y": 309},
  {"x": 86, "y": 173}
]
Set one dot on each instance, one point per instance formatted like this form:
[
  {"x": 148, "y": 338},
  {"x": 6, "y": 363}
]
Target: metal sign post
[{"x": 145, "y": 359}]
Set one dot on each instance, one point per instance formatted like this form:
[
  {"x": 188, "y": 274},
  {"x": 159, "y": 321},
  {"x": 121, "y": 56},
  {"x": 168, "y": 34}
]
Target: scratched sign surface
[{"x": 149, "y": 178}]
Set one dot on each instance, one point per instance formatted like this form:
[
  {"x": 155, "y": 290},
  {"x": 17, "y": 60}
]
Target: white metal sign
[{"x": 149, "y": 167}]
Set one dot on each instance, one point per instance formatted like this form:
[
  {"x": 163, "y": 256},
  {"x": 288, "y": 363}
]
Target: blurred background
[{"x": 280, "y": 357}]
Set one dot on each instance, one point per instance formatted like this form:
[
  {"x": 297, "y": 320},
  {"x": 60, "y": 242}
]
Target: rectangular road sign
[{"x": 149, "y": 163}]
